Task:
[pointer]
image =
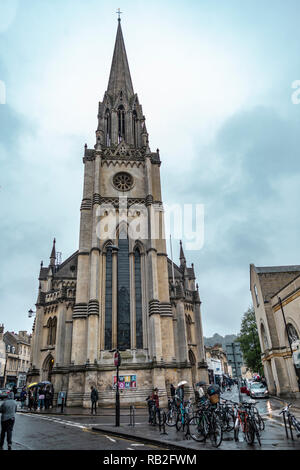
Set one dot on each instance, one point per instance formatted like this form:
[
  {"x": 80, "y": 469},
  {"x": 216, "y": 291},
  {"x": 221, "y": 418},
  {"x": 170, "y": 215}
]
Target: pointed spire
[
  {"x": 119, "y": 79},
  {"x": 53, "y": 254},
  {"x": 181, "y": 256}
]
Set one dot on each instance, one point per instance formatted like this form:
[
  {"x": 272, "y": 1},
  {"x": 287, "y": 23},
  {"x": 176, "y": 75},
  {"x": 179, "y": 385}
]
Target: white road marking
[{"x": 112, "y": 440}]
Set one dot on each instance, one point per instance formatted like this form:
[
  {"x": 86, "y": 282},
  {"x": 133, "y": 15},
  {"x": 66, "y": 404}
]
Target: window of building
[
  {"x": 138, "y": 299},
  {"x": 108, "y": 300},
  {"x": 256, "y": 295},
  {"x": 121, "y": 123},
  {"x": 292, "y": 333}
]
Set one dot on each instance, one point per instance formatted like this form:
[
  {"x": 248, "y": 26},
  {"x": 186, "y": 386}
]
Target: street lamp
[
  {"x": 117, "y": 362},
  {"x": 31, "y": 313}
]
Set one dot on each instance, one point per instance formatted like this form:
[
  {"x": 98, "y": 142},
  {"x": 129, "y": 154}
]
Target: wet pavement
[{"x": 100, "y": 431}]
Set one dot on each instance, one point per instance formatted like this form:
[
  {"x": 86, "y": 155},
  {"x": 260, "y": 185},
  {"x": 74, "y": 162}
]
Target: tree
[{"x": 249, "y": 341}]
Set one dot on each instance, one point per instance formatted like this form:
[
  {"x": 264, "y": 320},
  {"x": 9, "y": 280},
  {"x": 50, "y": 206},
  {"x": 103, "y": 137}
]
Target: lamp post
[
  {"x": 117, "y": 362},
  {"x": 31, "y": 313}
]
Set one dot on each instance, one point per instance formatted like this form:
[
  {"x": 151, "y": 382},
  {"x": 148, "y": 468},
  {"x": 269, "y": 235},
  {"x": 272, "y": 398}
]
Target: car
[
  {"x": 4, "y": 392},
  {"x": 258, "y": 390}
]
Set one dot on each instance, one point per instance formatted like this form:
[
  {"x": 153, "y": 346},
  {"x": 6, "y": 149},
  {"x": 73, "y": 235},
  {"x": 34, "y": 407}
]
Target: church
[{"x": 119, "y": 290}]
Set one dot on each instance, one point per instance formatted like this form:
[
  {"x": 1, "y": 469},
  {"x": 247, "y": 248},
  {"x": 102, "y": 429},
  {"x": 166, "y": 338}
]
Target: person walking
[
  {"x": 47, "y": 398},
  {"x": 8, "y": 411},
  {"x": 41, "y": 403},
  {"x": 94, "y": 399},
  {"x": 23, "y": 397},
  {"x": 154, "y": 409}
]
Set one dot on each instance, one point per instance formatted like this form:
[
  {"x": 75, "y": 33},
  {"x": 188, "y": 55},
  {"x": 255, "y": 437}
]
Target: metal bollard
[
  {"x": 62, "y": 405},
  {"x": 132, "y": 416}
]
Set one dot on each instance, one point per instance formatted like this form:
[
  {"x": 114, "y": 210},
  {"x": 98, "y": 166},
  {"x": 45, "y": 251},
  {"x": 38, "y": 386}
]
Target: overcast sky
[{"x": 214, "y": 78}]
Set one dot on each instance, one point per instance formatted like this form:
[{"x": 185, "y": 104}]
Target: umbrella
[
  {"x": 32, "y": 385},
  {"x": 183, "y": 382},
  {"x": 44, "y": 382},
  {"x": 199, "y": 384}
]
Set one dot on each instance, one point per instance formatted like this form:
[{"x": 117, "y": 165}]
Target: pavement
[{"x": 169, "y": 437}]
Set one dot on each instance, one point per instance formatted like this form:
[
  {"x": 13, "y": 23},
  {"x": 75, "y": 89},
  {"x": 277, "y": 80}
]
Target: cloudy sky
[{"x": 215, "y": 80}]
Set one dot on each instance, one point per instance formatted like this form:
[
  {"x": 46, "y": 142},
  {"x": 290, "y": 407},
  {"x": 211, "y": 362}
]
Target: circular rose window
[{"x": 123, "y": 181}]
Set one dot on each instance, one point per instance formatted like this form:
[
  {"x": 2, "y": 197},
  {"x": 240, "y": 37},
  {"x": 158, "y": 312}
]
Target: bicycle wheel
[
  {"x": 236, "y": 429},
  {"x": 171, "y": 418},
  {"x": 290, "y": 426},
  {"x": 179, "y": 423},
  {"x": 259, "y": 421},
  {"x": 198, "y": 428},
  {"x": 230, "y": 420},
  {"x": 249, "y": 432},
  {"x": 215, "y": 431}
]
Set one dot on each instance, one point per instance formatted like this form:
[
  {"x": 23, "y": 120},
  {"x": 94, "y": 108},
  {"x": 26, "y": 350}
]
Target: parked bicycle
[
  {"x": 205, "y": 423},
  {"x": 290, "y": 421},
  {"x": 246, "y": 420}
]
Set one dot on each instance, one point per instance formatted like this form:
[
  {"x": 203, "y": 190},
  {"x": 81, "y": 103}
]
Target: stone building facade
[
  {"x": 18, "y": 353},
  {"x": 120, "y": 289},
  {"x": 278, "y": 324}
]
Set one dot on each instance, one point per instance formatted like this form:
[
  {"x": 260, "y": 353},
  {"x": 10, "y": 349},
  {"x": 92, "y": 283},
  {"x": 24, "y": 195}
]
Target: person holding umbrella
[{"x": 180, "y": 391}]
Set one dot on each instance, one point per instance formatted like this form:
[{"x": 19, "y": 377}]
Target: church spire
[
  {"x": 119, "y": 79},
  {"x": 53, "y": 254},
  {"x": 181, "y": 256}
]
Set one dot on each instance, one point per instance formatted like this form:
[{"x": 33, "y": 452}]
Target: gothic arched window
[
  {"x": 123, "y": 321},
  {"x": 138, "y": 299},
  {"x": 121, "y": 123},
  {"x": 108, "y": 300},
  {"x": 292, "y": 333},
  {"x": 107, "y": 127},
  {"x": 51, "y": 325},
  {"x": 54, "y": 326},
  {"x": 189, "y": 328},
  {"x": 134, "y": 127}
]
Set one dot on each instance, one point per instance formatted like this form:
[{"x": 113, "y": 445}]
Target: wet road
[
  {"x": 52, "y": 432},
  {"x": 37, "y": 432}
]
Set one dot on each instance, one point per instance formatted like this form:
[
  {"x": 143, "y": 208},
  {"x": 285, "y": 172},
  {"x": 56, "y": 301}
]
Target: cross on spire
[{"x": 119, "y": 13}]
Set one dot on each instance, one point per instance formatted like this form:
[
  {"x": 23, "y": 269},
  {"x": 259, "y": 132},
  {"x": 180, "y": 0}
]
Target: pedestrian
[
  {"x": 94, "y": 399},
  {"x": 51, "y": 395},
  {"x": 155, "y": 406},
  {"x": 47, "y": 398},
  {"x": 14, "y": 389},
  {"x": 23, "y": 397},
  {"x": 8, "y": 411},
  {"x": 180, "y": 394},
  {"x": 41, "y": 402}
]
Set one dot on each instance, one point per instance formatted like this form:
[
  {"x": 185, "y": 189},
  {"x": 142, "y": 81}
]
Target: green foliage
[{"x": 249, "y": 342}]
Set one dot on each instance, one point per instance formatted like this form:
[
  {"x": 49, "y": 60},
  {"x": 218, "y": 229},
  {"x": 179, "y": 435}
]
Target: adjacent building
[
  {"x": 16, "y": 348},
  {"x": 119, "y": 290},
  {"x": 276, "y": 298}
]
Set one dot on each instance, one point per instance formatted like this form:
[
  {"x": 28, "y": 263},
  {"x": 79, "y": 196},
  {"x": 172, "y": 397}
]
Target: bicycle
[
  {"x": 290, "y": 421},
  {"x": 183, "y": 416},
  {"x": 171, "y": 415},
  {"x": 206, "y": 423},
  {"x": 242, "y": 421},
  {"x": 246, "y": 419}
]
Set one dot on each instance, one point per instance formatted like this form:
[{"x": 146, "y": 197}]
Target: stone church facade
[{"x": 120, "y": 289}]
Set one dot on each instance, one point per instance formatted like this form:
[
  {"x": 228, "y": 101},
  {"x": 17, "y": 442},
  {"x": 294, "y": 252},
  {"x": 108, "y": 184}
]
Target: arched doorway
[{"x": 47, "y": 368}]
